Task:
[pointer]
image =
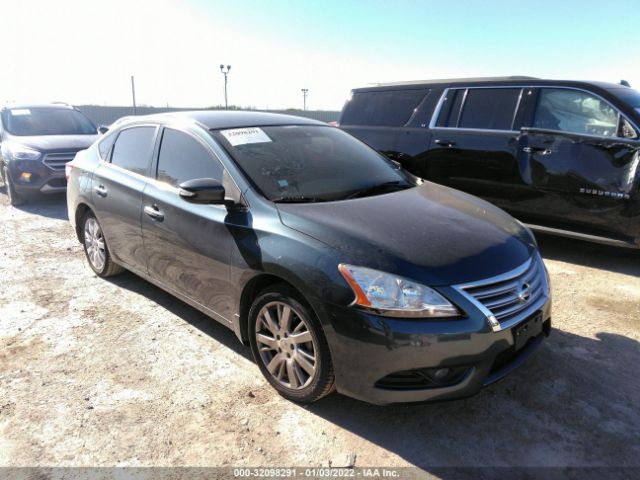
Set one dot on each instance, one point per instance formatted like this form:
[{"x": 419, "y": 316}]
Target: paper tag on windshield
[
  {"x": 243, "y": 136},
  {"x": 20, "y": 111}
]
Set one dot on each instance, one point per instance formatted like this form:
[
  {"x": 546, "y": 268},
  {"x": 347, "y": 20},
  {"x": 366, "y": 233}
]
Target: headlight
[
  {"x": 395, "y": 296},
  {"x": 20, "y": 152}
]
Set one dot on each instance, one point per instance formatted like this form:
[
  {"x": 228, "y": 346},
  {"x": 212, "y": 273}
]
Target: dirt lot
[{"x": 103, "y": 373}]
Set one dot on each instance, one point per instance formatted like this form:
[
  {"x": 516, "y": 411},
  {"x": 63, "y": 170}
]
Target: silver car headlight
[
  {"x": 20, "y": 152},
  {"x": 395, "y": 296}
]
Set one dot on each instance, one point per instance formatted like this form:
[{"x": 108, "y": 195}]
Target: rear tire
[
  {"x": 15, "y": 198},
  {"x": 289, "y": 346},
  {"x": 96, "y": 248}
]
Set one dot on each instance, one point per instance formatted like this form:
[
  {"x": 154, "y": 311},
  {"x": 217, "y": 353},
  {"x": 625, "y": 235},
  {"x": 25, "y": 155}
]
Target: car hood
[
  {"x": 430, "y": 233},
  {"x": 46, "y": 143}
]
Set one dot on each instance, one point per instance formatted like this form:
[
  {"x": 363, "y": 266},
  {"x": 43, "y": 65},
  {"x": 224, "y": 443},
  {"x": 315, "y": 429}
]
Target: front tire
[
  {"x": 15, "y": 198},
  {"x": 289, "y": 346},
  {"x": 96, "y": 249}
]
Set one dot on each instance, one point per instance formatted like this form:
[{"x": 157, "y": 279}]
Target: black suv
[
  {"x": 37, "y": 142},
  {"x": 561, "y": 156}
]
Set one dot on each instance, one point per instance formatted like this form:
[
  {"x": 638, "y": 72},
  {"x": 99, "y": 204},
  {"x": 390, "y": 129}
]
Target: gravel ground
[{"x": 104, "y": 373}]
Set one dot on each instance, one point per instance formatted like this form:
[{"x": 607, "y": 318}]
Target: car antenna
[{"x": 625, "y": 83}]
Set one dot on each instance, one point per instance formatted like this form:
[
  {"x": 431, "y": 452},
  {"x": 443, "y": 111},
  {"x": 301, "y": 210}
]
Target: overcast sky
[{"x": 84, "y": 51}]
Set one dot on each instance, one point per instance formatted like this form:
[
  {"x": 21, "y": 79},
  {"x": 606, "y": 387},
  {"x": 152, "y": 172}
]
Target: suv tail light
[{"x": 67, "y": 169}]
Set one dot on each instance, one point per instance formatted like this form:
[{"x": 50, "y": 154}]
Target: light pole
[
  {"x": 304, "y": 98},
  {"x": 225, "y": 73},
  {"x": 133, "y": 94}
]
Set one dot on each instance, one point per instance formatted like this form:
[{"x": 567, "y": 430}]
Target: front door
[
  {"x": 188, "y": 246},
  {"x": 580, "y": 157}
]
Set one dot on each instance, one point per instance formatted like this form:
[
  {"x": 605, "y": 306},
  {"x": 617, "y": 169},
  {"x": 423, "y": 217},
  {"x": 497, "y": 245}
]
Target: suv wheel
[
  {"x": 15, "y": 199},
  {"x": 289, "y": 346},
  {"x": 96, "y": 249}
]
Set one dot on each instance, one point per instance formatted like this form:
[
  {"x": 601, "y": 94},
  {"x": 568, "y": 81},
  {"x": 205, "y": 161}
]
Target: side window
[
  {"x": 489, "y": 108},
  {"x": 183, "y": 158},
  {"x": 450, "y": 109},
  {"x": 390, "y": 108},
  {"x": 575, "y": 111},
  {"x": 133, "y": 149},
  {"x": 105, "y": 144}
]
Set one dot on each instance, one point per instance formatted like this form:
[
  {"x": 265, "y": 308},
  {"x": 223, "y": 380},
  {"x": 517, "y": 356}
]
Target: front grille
[
  {"x": 57, "y": 161},
  {"x": 506, "y": 297}
]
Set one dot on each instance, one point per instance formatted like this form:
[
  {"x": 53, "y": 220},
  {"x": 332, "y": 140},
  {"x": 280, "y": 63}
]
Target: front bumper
[
  {"x": 43, "y": 179},
  {"x": 368, "y": 350}
]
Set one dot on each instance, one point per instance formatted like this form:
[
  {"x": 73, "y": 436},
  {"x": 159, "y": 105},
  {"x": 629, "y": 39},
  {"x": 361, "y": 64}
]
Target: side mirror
[
  {"x": 102, "y": 129},
  {"x": 202, "y": 191}
]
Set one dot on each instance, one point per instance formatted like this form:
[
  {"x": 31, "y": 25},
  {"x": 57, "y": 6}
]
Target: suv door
[
  {"x": 188, "y": 246},
  {"x": 581, "y": 159},
  {"x": 117, "y": 186},
  {"x": 474, "y": 141}
]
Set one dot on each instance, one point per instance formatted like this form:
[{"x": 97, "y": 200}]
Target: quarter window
[
  {"x": 133, "y": 149},
  {"x": 576, "y": 112},
  {"x": 183, "y": 158},
  {"x": 390, "y": 108},
  {"x": 105, "y": 145}
]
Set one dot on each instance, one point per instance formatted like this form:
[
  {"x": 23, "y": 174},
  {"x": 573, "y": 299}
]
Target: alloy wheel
[
  {"x": 94, "y": 243},
  {"x": 285, "y": 345}
]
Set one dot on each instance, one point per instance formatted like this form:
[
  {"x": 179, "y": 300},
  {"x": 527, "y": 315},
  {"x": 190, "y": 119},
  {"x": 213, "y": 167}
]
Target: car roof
[
  {"x": 516, "y": 80},
  {"x": 217, "y": 119}
]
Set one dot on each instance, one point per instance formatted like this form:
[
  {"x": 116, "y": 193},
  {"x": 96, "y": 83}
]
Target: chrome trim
[
  {"x": 496, "y": 325},
  {"x": 582, "y": 236},
  {"x": 56, "y": 161},
  {"x": 436, "y": 112}
]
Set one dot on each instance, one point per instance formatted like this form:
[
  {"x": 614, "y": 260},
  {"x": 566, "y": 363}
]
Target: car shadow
[
  {"x": 603, "y": 257},
  {"x": 186, "y": 312},
  {"x": 50, "y": 206},
  {"x": 574, "y": 404}
]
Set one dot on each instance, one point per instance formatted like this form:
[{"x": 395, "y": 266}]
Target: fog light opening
[{"x": 26, "y": 177}]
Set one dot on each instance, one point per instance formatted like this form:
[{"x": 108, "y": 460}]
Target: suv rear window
[
  {"x": 482, "y": 108},
  {"x": 389, "y": 108}
]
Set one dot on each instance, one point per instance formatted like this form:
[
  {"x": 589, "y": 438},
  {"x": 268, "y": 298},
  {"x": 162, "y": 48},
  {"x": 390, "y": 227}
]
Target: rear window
[
  {"x": 482, "y": 108},
  {"x": 390, "y": 108}
]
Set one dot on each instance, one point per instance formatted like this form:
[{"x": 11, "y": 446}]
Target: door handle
[
  {"x": 445, "y": 143},
  {"x": 154, "y": 212},
  {"x": 100, "y": 190},
  {"x": 538, "y": 150}
]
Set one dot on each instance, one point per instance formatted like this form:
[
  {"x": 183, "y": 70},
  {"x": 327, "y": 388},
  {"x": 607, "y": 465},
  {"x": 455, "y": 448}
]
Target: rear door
[
  {"x": 187, "y": 245},
  {"x": 117, "y": 186},
  {"x": 581, "y": 158},
  {"x": 474, "y": 142}
]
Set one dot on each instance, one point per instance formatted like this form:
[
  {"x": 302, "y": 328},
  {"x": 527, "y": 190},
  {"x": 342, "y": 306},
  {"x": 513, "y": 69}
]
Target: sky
[{"x": 85, "y": 51}]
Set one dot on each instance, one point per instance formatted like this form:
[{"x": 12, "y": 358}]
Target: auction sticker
[{"x": 243, "y": 136}]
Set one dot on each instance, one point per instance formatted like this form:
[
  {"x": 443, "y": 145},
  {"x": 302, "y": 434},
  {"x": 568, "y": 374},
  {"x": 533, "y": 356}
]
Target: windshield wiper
[
  {"x": 379, "y": 188},
  {"x": 298, "y": 199}
]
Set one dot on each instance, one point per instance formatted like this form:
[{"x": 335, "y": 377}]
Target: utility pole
[
  {"x": 133, "y": 94},
  {"x": 304, "y": 98},
  {"x": 225, "y": 73}
]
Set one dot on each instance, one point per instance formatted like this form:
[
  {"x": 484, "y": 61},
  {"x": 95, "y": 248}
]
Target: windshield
[
  {"x": 311, "y": 163},
  {"x": 46, "y": 121}
]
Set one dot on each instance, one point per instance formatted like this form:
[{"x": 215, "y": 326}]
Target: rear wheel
[
  {"x": 96, "y": 249},
  {"x": 15, "y": 198},
  {"x": 289, "y": 346}
]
